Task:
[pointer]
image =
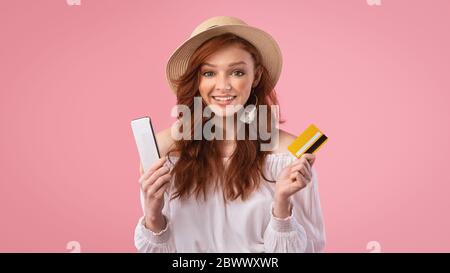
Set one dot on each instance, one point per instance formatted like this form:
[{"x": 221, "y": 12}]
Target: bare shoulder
[
  {"x": 284, "y": 140},
  {"x": 165, "y": 141}
]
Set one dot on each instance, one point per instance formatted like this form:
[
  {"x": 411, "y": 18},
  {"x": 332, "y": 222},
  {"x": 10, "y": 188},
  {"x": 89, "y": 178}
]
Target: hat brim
[{"x": 266, "y": 45}]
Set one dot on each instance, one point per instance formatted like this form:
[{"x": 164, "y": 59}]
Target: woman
[{"x": 228, "y": 195}]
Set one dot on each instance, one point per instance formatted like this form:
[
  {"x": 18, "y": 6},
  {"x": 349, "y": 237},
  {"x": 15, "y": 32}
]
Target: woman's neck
[{"x": 228, "y": 128}]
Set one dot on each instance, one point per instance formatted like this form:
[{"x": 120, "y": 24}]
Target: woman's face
[{"x": 227, "y": 78}]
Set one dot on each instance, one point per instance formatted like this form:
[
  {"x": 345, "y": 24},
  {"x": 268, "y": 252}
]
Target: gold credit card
[{"x": 308, "y": 142}]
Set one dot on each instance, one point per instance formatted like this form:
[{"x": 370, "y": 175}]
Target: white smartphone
[{"x": 145, "y": 141}]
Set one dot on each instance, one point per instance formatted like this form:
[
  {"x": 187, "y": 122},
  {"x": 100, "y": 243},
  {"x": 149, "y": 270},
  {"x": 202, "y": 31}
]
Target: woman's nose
[{"x": 222, "y": 83}]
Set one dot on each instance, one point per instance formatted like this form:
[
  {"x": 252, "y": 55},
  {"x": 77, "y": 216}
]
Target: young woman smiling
[{"x": 228, "y": 195}]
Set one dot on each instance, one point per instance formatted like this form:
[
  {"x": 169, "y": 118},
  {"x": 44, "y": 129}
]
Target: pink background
[{"x": 375, "y": 79}]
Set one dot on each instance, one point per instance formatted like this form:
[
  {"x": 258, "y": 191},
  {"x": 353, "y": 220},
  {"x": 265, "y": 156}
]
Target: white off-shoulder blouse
[{"x": 239, "y": 226}]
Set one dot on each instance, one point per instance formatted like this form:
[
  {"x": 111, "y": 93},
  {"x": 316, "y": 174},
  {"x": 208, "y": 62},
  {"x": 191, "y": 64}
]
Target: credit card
[{"x": 308, "y": 142}]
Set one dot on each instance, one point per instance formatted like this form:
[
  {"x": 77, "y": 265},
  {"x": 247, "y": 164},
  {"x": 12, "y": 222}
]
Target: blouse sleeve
[
  {"x": 146, "y": 240},
  {"x": 303, "y": 230},
  {"x": 284, "y": 235}
]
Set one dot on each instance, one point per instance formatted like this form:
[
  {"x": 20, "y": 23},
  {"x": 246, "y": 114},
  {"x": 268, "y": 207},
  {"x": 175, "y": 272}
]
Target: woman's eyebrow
[{"x": 231, "y": 64}]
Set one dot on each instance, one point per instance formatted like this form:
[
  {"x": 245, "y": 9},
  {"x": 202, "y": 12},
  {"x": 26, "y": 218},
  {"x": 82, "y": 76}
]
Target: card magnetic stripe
[{"x": 317, "y": 144}]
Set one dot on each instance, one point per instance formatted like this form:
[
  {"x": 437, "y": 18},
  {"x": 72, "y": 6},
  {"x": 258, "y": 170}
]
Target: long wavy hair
[{"x": 200, "y": 166}]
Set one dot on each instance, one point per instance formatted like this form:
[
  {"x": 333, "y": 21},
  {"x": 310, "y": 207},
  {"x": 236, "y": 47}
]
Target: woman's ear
[{"x": 258, "y": 74}]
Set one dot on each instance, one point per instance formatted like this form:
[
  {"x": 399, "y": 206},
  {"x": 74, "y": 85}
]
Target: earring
[{"x": 249, "y": 114}]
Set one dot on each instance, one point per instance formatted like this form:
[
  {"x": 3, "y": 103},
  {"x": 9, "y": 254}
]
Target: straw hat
[{"x": 267, "y": 46}]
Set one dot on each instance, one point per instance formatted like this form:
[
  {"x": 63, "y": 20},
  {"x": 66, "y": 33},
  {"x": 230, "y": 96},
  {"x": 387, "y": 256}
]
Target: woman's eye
[
  {"x": 208, "y": 74},
  {"x": 238, "y": 73}
]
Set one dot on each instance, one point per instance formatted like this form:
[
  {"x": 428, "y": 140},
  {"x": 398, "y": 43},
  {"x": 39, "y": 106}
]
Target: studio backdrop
[{"x": 373, "y": 75}]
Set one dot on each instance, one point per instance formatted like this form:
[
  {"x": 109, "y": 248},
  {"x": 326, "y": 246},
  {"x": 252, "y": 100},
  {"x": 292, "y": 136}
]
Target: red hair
[{"x": 200, "y": 166}]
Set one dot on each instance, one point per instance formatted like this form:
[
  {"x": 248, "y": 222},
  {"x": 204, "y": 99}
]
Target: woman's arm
[
  {"x": 153, "y": 233},
  {"x": 146, "y": 240}
]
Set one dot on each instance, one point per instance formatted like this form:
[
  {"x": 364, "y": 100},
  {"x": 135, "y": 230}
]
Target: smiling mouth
[{"x": 223, "y": 100}]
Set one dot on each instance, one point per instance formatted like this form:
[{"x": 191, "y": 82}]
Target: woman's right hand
[{"x": 154, "y": 183}]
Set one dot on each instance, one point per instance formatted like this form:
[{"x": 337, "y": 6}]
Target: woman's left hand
[{"x": 292, "y": 179}]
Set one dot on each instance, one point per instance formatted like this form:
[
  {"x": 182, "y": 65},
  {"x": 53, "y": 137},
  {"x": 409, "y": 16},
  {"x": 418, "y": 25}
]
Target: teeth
[{"x": 223, "y": 98}]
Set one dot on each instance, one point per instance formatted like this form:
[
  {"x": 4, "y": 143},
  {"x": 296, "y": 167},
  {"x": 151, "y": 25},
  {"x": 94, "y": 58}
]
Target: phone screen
[{"x": 145, "y": 141}]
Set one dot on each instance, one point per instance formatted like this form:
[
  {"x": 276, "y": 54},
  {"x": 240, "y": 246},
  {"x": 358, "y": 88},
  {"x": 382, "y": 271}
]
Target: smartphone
[{"x": 147, "y": 146}]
